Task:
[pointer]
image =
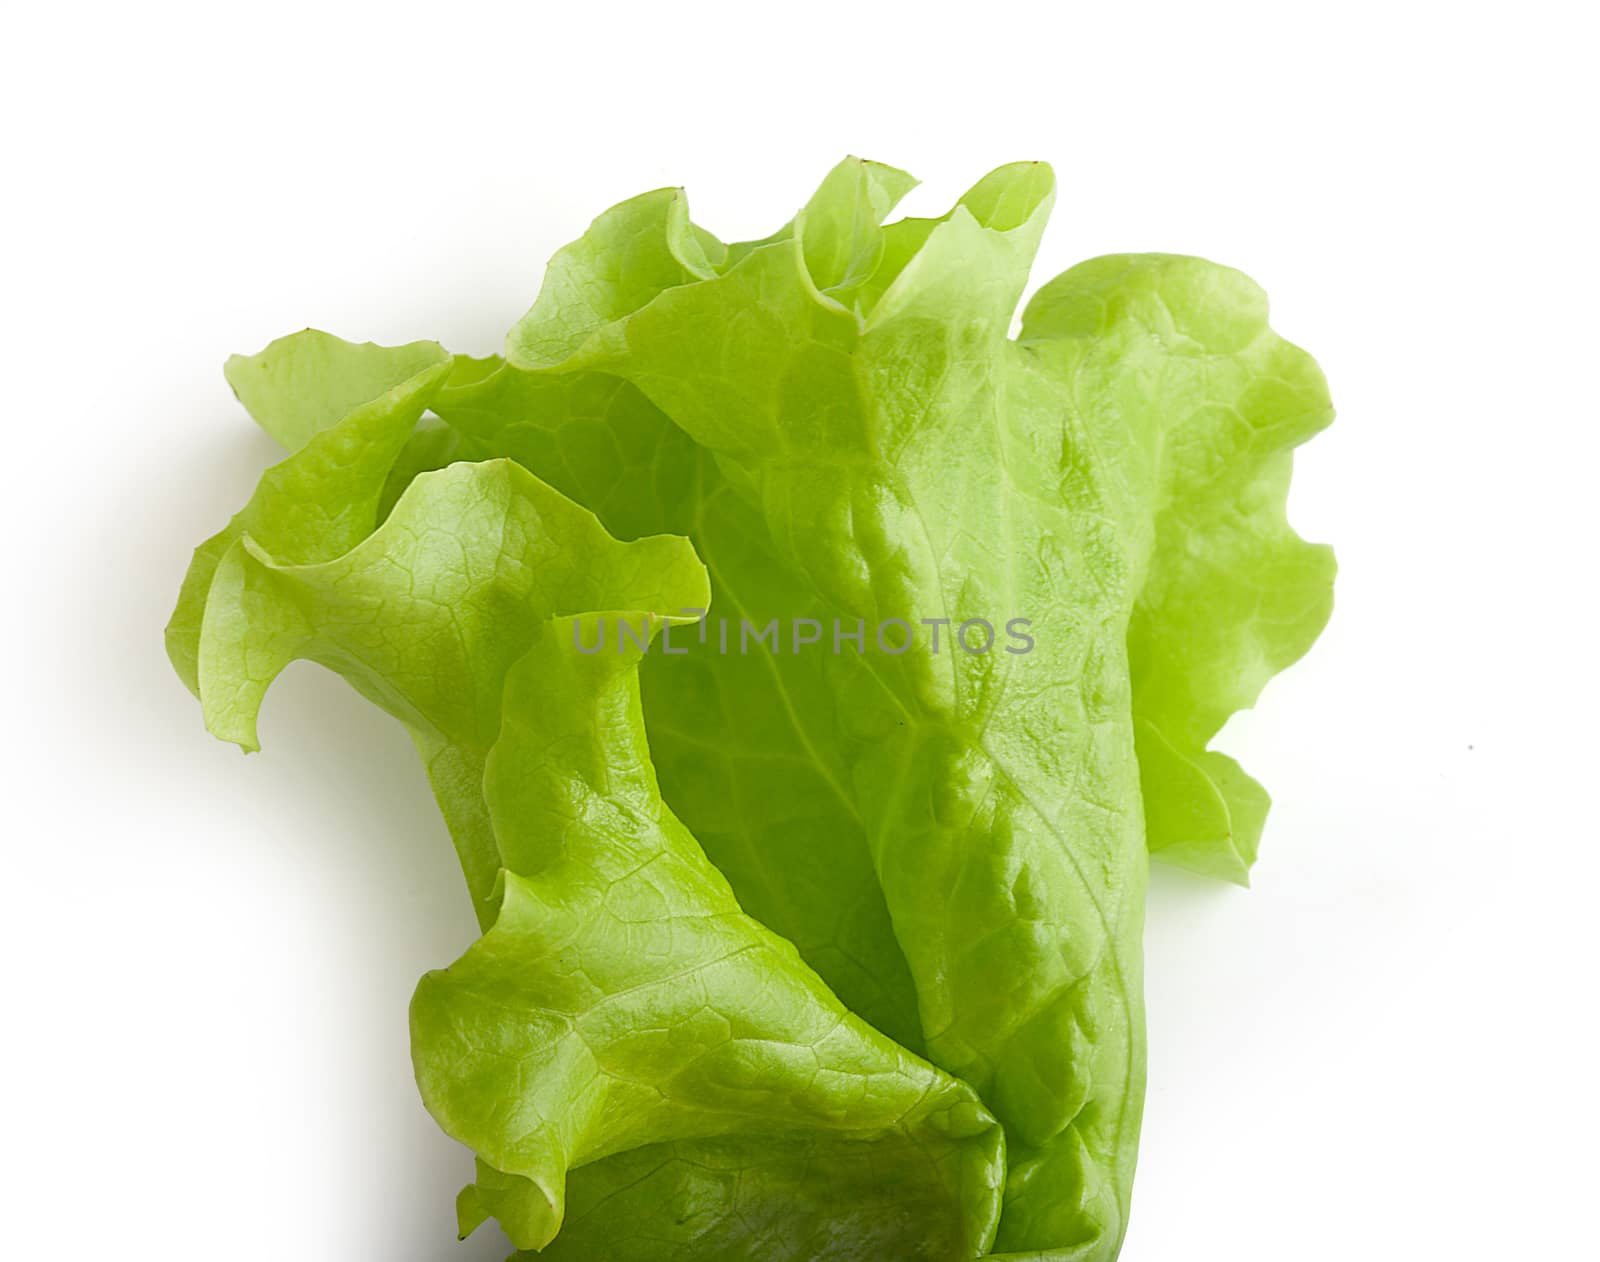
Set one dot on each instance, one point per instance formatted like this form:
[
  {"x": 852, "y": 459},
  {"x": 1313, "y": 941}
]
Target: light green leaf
[
  {"x": 309, "y": 381},
  {"x": 425, "y": 617},
  {"x": 838, "y": 230},
  {"x": 622, "y": 1001},
  {"x": 1172, "y": 359},
  {"x": 642, "y": 246},
  {"x": 345, "y": 412}
]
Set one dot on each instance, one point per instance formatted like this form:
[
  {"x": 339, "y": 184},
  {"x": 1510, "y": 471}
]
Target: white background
[{"x": 1385, "y": 1050}]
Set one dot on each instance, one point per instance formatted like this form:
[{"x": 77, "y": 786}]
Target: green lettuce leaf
[
  {"x": 732, "y": 896},
  {"x": 1173, "y": 364},
  {"x": 345, "y": 412},
  {"x": 309, "y": 381},
  {"x": 648, "y": 1012},
  {"x": 426, "y": 616}
]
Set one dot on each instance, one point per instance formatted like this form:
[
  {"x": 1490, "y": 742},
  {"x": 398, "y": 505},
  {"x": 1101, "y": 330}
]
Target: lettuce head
[{"x": 806, "y": 668}]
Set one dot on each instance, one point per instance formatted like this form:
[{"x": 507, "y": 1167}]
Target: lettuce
[{"x": 808, "y": 933}]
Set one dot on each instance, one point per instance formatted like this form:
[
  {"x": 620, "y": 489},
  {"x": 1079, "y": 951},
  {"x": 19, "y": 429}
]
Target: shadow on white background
[{"x": 316, "y": 878}]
